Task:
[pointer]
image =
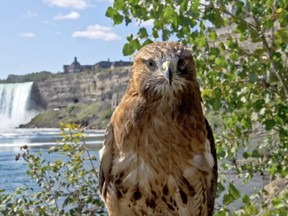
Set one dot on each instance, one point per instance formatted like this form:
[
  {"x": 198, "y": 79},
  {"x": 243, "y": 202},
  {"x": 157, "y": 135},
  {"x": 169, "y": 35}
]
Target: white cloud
[
  {"x": 97, "y": 32},
  {"x": 27, "y": 35},
  {"x": 76, "y": 4},
  {"x": 71, "y": 16}
]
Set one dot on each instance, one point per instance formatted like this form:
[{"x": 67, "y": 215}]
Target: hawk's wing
[
  {"x": 211, "y": 197},
  {"x": 106, "y": 160}
]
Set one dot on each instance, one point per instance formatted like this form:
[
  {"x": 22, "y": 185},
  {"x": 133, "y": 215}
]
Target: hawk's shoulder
[
  {"x": 213, "y": 188},
  {"x": 105, "y": 155}
]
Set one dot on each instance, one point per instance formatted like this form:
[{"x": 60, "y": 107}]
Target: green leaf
[
  {"x": 220, "y": 189},
  {"x": 258, "y": 105},
  {"x": 246, "y": 199},
  {"x": 227, "y": 199},
  {"x": 109, "y": 13},
  {"x": 221, "y": 61},
  {"x": 234, "y": 191},
  {"x": 142, "y": 33},
  {"x": 212, "y": 36},
  {"x": 58, "y": 162},
  {"x": 214, "y": 16},
  {"x": 148, "y": 41},
  {"x": 118, "y": 19},
  {"x": 130, "y": 47},
  {"x": 168, "y": 12},
  {"x": 165, "y": 34},
  {"x": 195, "y": 5},
  {"x": 119, "y": 5},
  {"x": 269, "y": 124},
  {"x": 273, "y": 169},
  {"x": 183, "y": 5},
  {"x": 200, "y": 41},
  {"x": 255, "y": 153},
  {"x": 233, "y": 194},
  {"x": 66, "y": 147},
  {"x": 127, "y": 49},
  {"x": 155, "y": 33},
  {"x": 277, "y": 202},
  {"x": 253, "y": 77},
  {"x": 246, "y": 154},
  {"x": 114, "y": 15},
  {"x": 221, "y": 213}
]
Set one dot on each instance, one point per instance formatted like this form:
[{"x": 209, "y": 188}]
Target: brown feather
[{"x": 156, "y": 158}]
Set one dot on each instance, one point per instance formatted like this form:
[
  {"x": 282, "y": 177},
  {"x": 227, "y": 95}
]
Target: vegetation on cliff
[
  {"x": 31, "y": 77},
  {"x": 87, "y": 115}
]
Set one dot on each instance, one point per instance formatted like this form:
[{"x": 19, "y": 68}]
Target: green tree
[{"x": 240, "y": 49}]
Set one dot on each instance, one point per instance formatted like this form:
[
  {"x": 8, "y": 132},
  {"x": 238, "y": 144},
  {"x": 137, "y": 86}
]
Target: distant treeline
[
  {"x": 37, "y": 76},
  {"x": 43, "y": 75}
]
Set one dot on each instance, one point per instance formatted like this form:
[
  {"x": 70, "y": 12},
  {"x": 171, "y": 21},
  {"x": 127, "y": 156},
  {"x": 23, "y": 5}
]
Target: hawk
[{"x": 158, "y": 156}]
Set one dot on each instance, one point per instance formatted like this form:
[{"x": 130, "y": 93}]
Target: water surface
[{"x": 12, "y": 172}]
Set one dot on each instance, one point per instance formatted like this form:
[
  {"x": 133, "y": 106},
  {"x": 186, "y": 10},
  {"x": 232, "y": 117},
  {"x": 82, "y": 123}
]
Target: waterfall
[{"x": 14, "y": 104}]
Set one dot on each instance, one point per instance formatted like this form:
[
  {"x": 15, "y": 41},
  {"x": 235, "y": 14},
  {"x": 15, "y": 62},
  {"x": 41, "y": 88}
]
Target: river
[{"x": 12, "y": 172}]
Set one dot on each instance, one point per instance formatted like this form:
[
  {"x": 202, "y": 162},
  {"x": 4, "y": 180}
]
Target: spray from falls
[{"x": 14, "y": 104}]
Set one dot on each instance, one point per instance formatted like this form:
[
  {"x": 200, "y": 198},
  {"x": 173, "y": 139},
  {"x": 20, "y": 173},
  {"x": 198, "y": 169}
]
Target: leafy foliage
[
  {"x": 240, "y": 49},
  {"x": 66, "y": 186}
]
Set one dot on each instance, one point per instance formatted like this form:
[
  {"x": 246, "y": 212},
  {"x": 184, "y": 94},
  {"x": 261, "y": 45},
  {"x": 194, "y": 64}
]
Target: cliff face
[{"x": 102, "y": 88}]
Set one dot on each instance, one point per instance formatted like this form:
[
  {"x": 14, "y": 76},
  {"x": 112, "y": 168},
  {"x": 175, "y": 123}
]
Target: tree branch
[
  {"x": 274, "y": 66},
  {"x": 261, "y": 35}
]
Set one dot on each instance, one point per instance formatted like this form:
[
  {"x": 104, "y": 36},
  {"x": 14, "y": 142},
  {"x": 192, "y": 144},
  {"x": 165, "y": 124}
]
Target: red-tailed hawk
[{"x": 159, "y": 156}]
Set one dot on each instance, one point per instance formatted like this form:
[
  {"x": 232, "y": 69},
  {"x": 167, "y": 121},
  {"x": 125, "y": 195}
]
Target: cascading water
[{"x": 14, "y": 104}]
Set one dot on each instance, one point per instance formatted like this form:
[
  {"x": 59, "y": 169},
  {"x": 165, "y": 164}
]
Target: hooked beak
[{"x": 168, "y": 71}]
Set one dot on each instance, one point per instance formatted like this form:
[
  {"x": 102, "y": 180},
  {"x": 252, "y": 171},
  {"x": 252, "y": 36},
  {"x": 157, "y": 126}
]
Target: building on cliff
[{"x": 76, "y": 67}]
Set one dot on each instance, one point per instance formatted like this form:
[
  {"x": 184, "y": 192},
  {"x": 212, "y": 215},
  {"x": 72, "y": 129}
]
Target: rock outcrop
[
  {"x": 86, "y": 98},
  {"x": 86, "y": 87}
]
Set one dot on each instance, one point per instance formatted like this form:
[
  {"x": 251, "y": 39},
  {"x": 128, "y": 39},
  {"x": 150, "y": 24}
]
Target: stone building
[
  {"x": 103, "y": 64},
  {"x": 76, "y": 67},
  {"x": 109, "y": 64},
  {"x": 121, "y": 64}
]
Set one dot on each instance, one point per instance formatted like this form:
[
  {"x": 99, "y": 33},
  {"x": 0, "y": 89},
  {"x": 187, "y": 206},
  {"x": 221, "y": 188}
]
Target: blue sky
[{"x": 39, "y": 35}]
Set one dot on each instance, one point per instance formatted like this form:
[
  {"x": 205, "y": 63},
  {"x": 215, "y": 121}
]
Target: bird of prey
[{"x": 158, "y": 156}]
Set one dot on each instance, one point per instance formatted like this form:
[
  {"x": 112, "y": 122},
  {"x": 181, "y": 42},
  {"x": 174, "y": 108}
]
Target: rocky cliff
[
  {"x": 86, "y": 87},
  {"x": 62, "y": 97}
]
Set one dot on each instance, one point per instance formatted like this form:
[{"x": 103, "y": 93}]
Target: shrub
[{"x": 66, "y": 186}]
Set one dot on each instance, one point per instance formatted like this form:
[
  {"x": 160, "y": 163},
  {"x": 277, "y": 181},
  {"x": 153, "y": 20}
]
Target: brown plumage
[{"x": 158, "y": 156}]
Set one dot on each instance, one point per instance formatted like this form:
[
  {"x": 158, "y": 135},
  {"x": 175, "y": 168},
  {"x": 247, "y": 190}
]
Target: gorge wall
[{"x": 104, "y": 88}]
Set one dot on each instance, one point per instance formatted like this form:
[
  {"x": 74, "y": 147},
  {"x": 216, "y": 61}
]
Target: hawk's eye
[
  {"x": 151, "y": 64},
  {"x": 181, "y": 64}
]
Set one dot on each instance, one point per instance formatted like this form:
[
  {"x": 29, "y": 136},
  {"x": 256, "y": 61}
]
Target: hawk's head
[{"x": 162, "y": 67}]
